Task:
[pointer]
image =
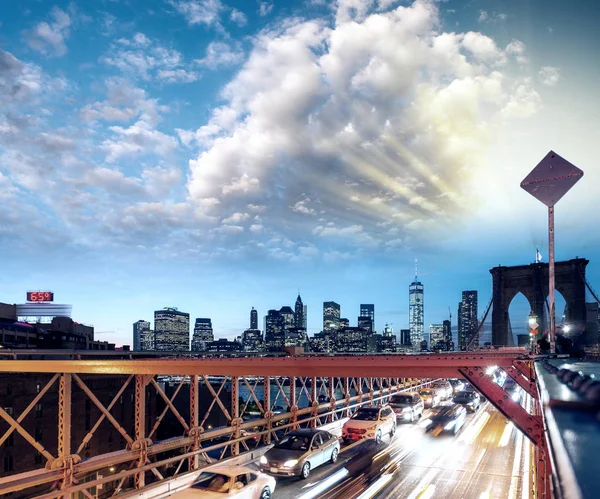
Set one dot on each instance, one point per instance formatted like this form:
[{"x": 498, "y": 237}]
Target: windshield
[
  {"x": 442, "y": 415},
  {"x": 426, "y": 392},
  {"x": 215, "y": 482},
  {"x": 367, "y": 414},
  {"x": 401, "y": 399},
  {"x": 465, "y": 395},
  {"x": 294, "y": 442}
]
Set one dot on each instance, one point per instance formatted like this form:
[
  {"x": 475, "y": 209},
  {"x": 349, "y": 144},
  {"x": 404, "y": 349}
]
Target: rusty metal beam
[
  {"x": 524, "y": 375},
  {"x": 169, "y": 402},
  {"x": 235, "y": 414},
  {"x": 103, "y": 409},
  {"x": 193, "y": 462},
  {"x": 377, "y": 366},
  {"x": 28, "y": 409},
  {"x": 530, "y": 425}
]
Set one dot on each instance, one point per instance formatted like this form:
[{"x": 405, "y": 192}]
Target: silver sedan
[{"x": 299, "y": 452}]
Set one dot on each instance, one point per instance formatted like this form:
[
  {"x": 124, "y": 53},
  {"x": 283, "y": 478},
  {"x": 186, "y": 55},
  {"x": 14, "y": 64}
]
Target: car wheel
[
  {"x": 378, "y": 437},
  {"x": 334, "y": 456},
  {"x": 266, "y": 493},
  {"x": 305, "y": 470}
]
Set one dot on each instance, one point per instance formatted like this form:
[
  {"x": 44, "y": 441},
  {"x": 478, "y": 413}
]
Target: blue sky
[{"x": 218, "y": 155}]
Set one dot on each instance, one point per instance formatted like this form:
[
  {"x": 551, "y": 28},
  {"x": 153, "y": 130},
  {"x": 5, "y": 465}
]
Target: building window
[
  {"x": 38, "y": 411},
  {"x": 38, "y": 433},
  {"x": 9, "y": 442},
  {"x": 8, "y": 464},
  {"x": 38, "y": 388},
  {"x": 9, "y": 411}
]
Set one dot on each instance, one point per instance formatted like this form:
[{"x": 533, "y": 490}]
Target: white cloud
[
  {"x": 243, "y": 184},
  {"x": 49, "y": 38},
  {"x": 264, "y": 8},
  {"x": 238, "y": 17},
  {"x": 124, "y": 102},
  {"x": 256, "y": 228},
  {"x": 139, "y": 138},
  {"x": 369, "y": 136},
  {"x": 142, "y": 58},
  {"x": 220, "y": 54},
  {"x": 199, "y": 11},
  {"x": 236, "y": 219},
  {"x": 302, "y": 207},
  {"x": 517, "y": 48},
  {"x": 549, "y": 75}
]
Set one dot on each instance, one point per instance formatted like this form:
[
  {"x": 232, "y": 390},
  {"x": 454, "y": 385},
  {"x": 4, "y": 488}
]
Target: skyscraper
[
  {"x": 368, "y": 310},
  {"x": 299, "y": 308},
  {"x": 253, "y": 319},
  {"x": 467, "y": 319},
  {"x": 405, "y": 337},
  {"x": 436, "y": 337},
  {"x": 274, "y": 331},
  {"x": 203, "y": 334},
  {"x": 143, "y": 337},
  {"x": 304, "y": 318},
  {"x": 252, "y": 340},
  {"x": 448, "y": 335},
  {"x": 365, "y": 322},
  {"x": 416, "y": 317},
  {"x": 331, "y": 317},
  {"x": 171, "y": 330}
]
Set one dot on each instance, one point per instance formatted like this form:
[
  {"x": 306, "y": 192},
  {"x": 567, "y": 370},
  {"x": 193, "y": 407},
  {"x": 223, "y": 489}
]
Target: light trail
[
  {"x": 375, "y": 487},
  {"x": 474, "y": 429},
  {"x": 325, "y": 484},
  {"x": 427, "y": 493},
  {"x": 506, "y": 434}
]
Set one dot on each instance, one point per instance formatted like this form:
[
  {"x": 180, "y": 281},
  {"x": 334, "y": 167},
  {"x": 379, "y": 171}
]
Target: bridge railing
[{"x": 143, "y": 458}]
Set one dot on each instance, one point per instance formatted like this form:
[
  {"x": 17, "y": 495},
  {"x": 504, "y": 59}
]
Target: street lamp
[{"x": 533, "y": 330}]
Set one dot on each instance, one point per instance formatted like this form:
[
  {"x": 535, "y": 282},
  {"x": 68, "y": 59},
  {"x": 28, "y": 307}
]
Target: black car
[
  {"x": 457, "y": 385},
  {"x": 450, "y": 418},
  {"x": 407, "y": 406},
  {"x": 469, "y": 400}
]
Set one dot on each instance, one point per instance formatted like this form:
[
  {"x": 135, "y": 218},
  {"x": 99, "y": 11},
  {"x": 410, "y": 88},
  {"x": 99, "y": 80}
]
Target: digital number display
[{"x": 40, "y": 296}]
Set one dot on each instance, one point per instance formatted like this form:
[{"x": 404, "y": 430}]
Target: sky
[{"x": 215, "y": 155}]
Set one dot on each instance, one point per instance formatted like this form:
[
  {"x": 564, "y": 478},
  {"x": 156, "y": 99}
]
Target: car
[
  {"x": 370, "y": 422},
  {"x": 448, "y": 418},
  {"x": 444, "y": 387},
  {"x": 469, "y": 400},
  {"x": 457, "y": 385},
  {"x": 299, "y": 452},
  {"x": 235, "y": 481},
  {"x": 430, "y": 397},
  {"x": 407, "y": 406}
]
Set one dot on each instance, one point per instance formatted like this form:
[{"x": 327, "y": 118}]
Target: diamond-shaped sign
[{"x": 551, "y": 179}]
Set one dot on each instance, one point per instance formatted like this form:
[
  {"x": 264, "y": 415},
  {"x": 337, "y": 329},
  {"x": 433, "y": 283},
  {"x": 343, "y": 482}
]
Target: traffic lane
[
  {"x": 479, "y": 463},
  {"x": 406, "y": 436},
  {"x": 292, "y": 488}
]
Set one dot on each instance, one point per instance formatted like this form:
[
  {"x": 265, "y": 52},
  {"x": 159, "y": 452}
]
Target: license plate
[{"x": 273, "y": 470}]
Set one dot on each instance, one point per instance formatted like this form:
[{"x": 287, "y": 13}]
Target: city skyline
[{"x": 146, "y": 146}]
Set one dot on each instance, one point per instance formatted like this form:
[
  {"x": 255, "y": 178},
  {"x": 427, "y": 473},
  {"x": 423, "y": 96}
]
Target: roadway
[{"x": 485, "y": 460}]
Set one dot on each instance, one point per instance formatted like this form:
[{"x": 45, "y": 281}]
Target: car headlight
[
  {"x": 290, "y": 463},
  {"x": 449, "y": 426},
  {"x": 263, "y": 460},
  {"x": 470, "y": 403}
]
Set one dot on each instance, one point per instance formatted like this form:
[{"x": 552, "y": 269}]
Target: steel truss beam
[
  {"x": 143, "y": 455},
  {"x": 531, "y": 426}
]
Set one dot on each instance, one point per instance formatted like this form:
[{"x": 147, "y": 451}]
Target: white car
[
  {"x": 234, "y": 481},
  {"x": 370, "y": 422}
]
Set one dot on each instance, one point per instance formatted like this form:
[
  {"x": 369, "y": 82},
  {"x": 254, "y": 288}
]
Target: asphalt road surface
[{"x": 485, "y": 460}]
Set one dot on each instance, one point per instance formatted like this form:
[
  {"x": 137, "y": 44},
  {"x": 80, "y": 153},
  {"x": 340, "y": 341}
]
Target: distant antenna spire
[{"x": 416, "y": 269}]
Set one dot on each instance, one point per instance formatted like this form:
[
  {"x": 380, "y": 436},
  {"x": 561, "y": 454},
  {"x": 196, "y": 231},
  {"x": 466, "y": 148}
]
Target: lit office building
[
  {"x": 143, "y": 337},
  {"x": 253, "y": 319},
  {"x": 416, "y": 317},
  {"x": 351, "y": 340},
  {"x": 368, "y": 310},
  {"x": 252, "y": 340},
  {"x": 365, "y": 322},
  {"x": 467, "y": 319},
  {"x": 203, "y": 334},
  {"x": 171, "y": 330},
  {"x": 436, "y": 337},
  {"x": 331, "y": 317},
  {"x": 299, "y": 314},
  {"x": 274, "y": 331}
]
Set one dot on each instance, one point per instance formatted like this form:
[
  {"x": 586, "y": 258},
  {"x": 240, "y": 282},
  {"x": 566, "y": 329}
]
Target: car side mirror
[{"x": 238, "y": 485}]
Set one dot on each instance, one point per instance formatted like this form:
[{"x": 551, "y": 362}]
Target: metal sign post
[{"x": 549, "y": 181}]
